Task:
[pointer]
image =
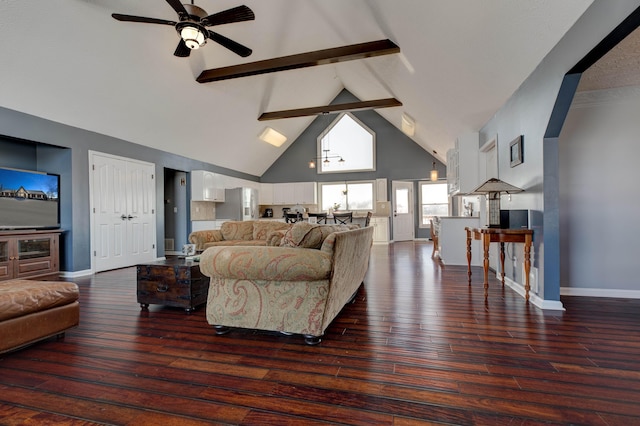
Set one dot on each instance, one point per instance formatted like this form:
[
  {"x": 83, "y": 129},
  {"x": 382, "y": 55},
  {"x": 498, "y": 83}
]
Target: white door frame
[{"x": 403, "y": 223}]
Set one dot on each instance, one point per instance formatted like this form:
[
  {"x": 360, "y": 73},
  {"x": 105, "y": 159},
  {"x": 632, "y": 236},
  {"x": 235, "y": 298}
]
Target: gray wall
[
  {"x": 529, "y": 112},
  {"x": 600, "y": 138},
  {"x": 397, "y": 156},
  {"x": 73, "y": 166}
]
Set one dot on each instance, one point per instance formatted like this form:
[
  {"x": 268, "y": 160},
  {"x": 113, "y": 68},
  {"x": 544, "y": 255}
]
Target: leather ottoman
[{"x": 34, "y": 310}]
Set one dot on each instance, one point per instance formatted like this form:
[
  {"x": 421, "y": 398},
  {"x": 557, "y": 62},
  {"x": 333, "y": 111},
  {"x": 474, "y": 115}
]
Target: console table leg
[
  {"x": 469, "y": 256},
  {"x": 485, "y": 244},
  {"x": 502, "y": 261},
  {"x": 527, "y": 265}
]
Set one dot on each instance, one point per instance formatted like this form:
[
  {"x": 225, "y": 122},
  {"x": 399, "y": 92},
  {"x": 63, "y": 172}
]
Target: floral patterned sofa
[
  {"x": 243, "y": 233},
  {"x": 298, "y": 287}
]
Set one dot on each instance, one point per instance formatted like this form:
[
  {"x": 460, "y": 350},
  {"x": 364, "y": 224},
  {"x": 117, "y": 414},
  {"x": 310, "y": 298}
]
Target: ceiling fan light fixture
[{"x": 193, "y": 36}]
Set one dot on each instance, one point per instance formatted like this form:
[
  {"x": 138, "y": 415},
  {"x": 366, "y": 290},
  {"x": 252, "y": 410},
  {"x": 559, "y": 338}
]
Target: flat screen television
[{"x": 29, "y": 199}]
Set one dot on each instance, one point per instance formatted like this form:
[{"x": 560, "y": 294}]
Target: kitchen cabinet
[
  {"x": 280, "y": 195},
  {"x": 381, "y": 189},
  {"x": 206, "y": 186},
  {"x": 304, "y": 193},
  {"x": 462, "y": 165},
  {"x": 294, "y": 193},
  {"x": 266, "y": 194},
  {"x": 206, "y": 225},
  {"x": 28, "y": 254},
  {"x": 380, "y": 229}
]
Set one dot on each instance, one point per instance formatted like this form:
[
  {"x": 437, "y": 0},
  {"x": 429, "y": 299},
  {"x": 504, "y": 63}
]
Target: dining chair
[
  {"x": 434, "y": 238},
  {"x": 320, "y": 217},
  {"x": 367, "y": 220},
  {"x": 293, "y": 217},
  {"x": 343, "y": 218}
]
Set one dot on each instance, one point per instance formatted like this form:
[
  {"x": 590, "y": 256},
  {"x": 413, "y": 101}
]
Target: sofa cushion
[
  {"x": 23, "y": 297},
  {"x": 235, "y": 243},
  {"x": 266, "y": 263},
  {"x": 262, "y": 228},
  {"x": 309, "y": 235},
  {"x": 237, "y": 230}
]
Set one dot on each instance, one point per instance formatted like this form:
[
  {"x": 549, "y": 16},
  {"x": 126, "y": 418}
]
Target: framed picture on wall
[{"x": 515, "y": 151}]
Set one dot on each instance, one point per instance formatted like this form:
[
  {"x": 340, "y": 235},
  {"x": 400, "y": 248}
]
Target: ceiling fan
[{"x": 192, "y": 23}]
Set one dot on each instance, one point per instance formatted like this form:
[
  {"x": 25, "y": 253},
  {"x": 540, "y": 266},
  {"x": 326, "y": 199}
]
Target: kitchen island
[{"x": 452, "y": 239}]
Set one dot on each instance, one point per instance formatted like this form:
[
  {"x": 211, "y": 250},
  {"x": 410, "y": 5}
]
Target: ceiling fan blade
[
  {"x": 179, "y": 8},
  {"x": 182, "y": 51},
  {"x": 236, "y": 14},
  {"x": 234, "y": 46},
  {"x": 129, "y": 18}
]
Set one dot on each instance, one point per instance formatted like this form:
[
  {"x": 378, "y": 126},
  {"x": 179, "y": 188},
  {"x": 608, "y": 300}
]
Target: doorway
[
  {"x": 403, "y": 217},
  {"x": 176, "y": 211}
]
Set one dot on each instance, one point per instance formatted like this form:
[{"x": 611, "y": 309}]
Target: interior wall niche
[{"x": 30, "y": 155}]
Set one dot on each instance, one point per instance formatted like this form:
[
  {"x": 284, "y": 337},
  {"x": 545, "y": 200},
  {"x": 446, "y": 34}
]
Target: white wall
[{"x": 600, "y": 194}]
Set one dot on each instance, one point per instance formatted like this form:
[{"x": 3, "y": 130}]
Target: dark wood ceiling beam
[
  {"x": 350, "y": 106},
  {"x": 301, "y": 60}
]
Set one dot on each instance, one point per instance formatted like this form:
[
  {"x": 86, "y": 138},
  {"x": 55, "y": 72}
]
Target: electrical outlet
[{"x": 533, "y": 278}]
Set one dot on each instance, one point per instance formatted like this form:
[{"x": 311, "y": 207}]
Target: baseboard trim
[
  {"x": 600, "y": 292},
  {"x": 74, "y": 274},
  {"x": 534, "y": 299}
]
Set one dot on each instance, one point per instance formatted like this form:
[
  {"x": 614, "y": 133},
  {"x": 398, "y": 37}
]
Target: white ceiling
[{"x": 69, "y": 61}]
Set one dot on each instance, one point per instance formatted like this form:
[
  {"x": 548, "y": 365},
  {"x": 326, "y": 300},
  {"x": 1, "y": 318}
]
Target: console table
[{"x": 499, "y": 235}]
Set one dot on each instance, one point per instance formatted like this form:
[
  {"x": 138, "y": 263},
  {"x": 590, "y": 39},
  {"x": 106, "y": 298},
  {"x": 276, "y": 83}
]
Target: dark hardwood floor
[{"x": 418, "y": 346}]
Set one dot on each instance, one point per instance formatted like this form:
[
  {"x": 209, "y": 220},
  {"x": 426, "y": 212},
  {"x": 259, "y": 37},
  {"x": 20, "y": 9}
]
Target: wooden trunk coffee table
[{"x": 173, "y": 282}]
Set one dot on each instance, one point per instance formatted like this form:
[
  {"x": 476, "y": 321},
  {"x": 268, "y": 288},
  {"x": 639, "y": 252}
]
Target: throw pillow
[
  {"x": 274, "y": 238},
  {"x": 237, "y": 230},
  {"x": 308, "y": 235},
  {"x": 262, "y": 228}
]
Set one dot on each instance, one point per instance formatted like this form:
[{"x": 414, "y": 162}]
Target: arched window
[{"x": 349, "y": 140}]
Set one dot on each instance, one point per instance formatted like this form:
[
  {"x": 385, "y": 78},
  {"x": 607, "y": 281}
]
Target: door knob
[{"x": 123, "y": 217}]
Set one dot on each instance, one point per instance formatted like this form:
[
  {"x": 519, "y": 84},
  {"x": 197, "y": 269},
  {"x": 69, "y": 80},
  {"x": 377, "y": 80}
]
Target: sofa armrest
[
  {"x": 200, "y": 238},
  {"x": 266, "y": 263},
  {"x": 351, "y": 251}
]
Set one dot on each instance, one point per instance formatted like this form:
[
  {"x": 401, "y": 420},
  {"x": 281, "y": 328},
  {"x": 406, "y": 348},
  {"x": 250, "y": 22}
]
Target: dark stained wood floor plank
[{"x": 417, "y": 347}]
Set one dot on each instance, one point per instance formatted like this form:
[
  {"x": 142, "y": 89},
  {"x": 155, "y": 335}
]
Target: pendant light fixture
[
  {"x": 325, "y": 157},
  {"x": 434, "y": 171}
]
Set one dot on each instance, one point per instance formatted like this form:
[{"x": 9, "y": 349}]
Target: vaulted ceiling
[{"x": 69, "y": 61}]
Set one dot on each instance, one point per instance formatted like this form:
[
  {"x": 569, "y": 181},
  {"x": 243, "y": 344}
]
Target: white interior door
[
  {"x": 140, "y": 212},
  {"x": 123, "y": 207},
  {"x": 403, "y": 219}
]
